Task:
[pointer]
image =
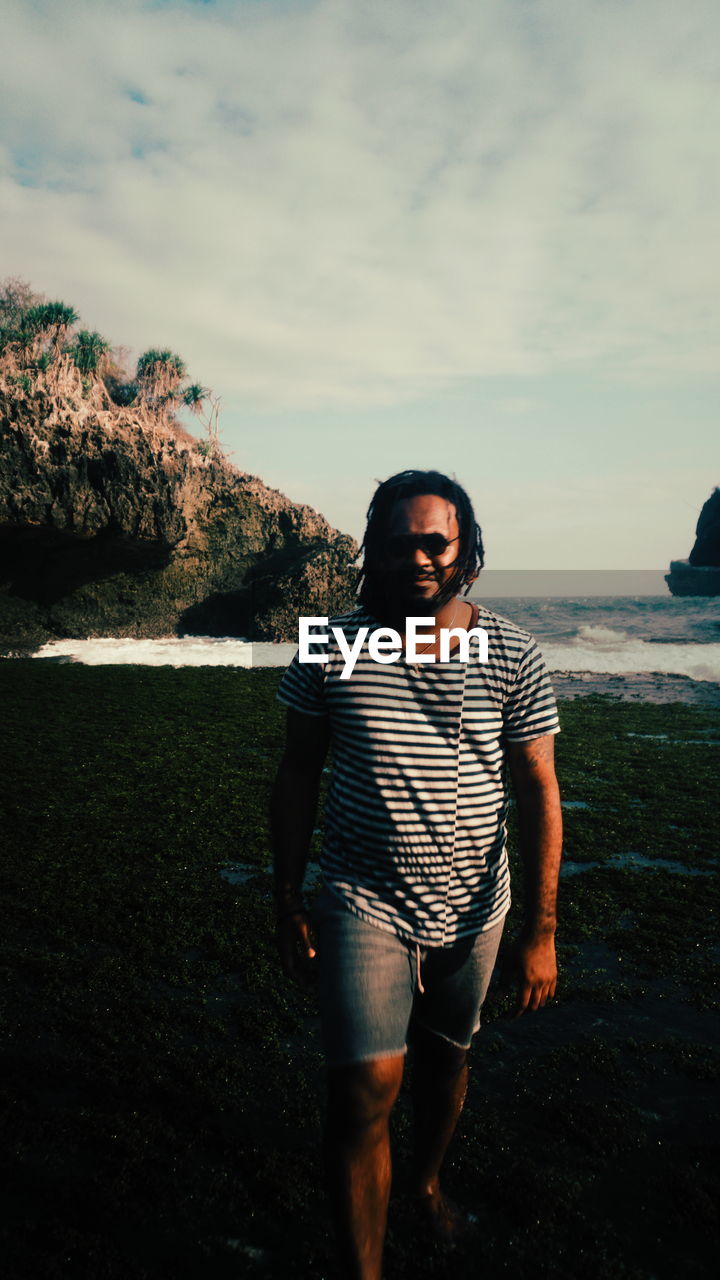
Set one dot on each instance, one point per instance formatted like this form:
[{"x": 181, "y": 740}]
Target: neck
[{"x": 447, "y": 614}]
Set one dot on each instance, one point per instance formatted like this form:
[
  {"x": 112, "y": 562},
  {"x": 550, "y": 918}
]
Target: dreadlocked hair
[{"x": 411, "y": 484}]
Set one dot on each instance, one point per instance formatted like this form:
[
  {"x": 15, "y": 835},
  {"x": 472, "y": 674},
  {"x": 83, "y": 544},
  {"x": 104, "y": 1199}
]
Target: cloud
[{"x": 343, "y": 203}]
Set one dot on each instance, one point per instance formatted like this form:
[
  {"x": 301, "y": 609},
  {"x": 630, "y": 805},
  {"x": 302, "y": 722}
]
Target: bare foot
[{"x": 448, "y": 1222}]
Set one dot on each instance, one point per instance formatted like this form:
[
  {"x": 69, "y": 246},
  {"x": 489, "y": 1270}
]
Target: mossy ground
[{"x": 163, "y": 1084}]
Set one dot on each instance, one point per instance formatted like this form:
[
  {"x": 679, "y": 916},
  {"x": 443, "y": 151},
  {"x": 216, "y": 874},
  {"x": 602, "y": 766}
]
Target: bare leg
[
  {"x": 440, "y": 1076},
  {"x": 357, "y": 1159}
]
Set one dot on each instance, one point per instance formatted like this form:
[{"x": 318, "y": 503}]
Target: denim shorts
[{"x": 371, "y": 982}]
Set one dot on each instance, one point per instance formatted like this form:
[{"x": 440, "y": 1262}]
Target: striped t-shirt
[{"x": 415, "y": 816}]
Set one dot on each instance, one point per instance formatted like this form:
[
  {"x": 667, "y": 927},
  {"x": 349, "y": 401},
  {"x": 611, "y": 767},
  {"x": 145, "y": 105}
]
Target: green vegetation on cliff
[{"x": 41, "y": 345}]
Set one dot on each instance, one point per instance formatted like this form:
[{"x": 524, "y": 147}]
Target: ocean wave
[
  {"x": 600, "y": 637},
  {"x": 604, "y": 652}
]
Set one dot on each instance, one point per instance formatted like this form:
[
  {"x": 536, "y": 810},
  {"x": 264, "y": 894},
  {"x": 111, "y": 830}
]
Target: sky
[{"x": 479, "y": 236}]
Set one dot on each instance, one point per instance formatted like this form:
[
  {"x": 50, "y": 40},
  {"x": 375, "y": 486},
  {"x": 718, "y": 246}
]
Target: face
[{"x": 420, "y": 571}]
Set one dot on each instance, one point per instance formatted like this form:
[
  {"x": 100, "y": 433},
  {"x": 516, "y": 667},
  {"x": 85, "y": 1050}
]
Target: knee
[{"x": 361, "y": 1096}]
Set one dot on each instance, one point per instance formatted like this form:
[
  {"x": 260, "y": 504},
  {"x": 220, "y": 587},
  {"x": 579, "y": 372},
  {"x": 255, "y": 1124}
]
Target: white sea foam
[
  {"x": 169, "y": 651},
  {"x": 605, "y": 652},
  {"x": 595, "y": 649},
  {"x": 600, "y": 637}
]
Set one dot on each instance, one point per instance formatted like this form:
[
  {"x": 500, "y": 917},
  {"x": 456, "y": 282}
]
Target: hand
[
  {"x": 530, "y": 966},
  {"x": 294, "y": 944}
]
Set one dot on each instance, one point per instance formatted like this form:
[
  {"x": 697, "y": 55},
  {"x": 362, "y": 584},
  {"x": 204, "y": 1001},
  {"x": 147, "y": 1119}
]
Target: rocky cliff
[{"x": 114, "y": 523}]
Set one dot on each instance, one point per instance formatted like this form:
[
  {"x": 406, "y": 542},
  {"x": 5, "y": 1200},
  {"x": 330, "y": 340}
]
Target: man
[{"x": 414, "y": 864}]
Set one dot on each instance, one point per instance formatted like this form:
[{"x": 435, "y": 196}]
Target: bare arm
[
  {"x": 532, "y": 770},
  {"x": 293, "y": 810}
]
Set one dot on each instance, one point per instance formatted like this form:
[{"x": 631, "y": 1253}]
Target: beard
[{"x": 401, "y": 595}]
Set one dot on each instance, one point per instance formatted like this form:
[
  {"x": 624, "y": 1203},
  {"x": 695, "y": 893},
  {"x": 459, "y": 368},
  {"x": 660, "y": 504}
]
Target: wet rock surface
[{"x": 163, "y": 1082}]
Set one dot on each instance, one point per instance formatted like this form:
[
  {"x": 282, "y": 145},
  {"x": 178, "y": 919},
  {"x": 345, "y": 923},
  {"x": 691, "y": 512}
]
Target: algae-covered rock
[{"x": 115, "y": 523}]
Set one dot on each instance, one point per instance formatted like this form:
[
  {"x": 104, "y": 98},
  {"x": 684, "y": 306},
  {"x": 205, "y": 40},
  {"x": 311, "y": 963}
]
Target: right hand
[
  {"x": 295, "y": 946},
  {"x": 531, "y": 968}
]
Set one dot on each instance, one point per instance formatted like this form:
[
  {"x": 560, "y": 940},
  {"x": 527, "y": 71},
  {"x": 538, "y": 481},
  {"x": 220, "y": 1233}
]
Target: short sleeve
[
  {"x": 303, "y": 687},
  {"x": 530, "y": 710}
]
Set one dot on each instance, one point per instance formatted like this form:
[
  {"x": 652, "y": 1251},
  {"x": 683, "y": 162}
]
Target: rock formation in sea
[
  {"x": 706, "y": 551},
  {"x": 699, "y": 575},
  {"x": 115, "y": 521}
]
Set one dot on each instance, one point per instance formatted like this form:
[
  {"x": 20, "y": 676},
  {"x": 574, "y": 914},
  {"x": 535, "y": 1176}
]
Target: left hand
[
  {"x": 530, "y": 966},
  {"x": 294, "y": 944}
]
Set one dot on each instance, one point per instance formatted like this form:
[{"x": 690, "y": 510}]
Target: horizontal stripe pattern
[{"x": 415, "y": 818}]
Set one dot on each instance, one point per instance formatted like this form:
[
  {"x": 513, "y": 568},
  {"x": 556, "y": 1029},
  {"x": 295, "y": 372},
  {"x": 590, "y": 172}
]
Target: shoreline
[{"x": 637, "y": 687}]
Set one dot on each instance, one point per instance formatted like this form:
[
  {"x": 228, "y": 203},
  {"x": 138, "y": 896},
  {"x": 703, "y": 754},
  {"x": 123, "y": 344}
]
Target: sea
[{"x": 656, "y": 648}]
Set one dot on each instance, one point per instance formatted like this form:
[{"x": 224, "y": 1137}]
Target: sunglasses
[{"x": 401, "y": 545}]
